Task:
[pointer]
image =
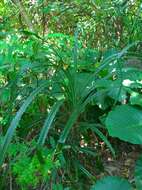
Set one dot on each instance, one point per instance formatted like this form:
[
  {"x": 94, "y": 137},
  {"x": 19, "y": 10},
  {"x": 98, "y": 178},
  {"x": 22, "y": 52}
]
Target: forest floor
[{"x": 123, "y": 164}]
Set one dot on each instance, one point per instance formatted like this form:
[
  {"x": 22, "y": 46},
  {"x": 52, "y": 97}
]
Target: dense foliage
[{"x": 70, "y": 85}]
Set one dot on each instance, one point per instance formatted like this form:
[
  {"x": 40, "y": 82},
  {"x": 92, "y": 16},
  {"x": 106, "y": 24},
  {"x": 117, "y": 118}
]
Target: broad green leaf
[
  {"x": 48, "y": 123},
  {"x": 132, "y": 77},
  {"x": 125, "y": 122},
  {"x": 15, "y": 121},
  {"x": 112, "y": 183},
  {"x": 136, "y": 99},
  {"x": 138, "y": 173}
]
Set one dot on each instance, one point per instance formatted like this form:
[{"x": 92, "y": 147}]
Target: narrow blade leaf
[
  {"x": 48, "y": 123},
  {"x": 15, "y": 121}
]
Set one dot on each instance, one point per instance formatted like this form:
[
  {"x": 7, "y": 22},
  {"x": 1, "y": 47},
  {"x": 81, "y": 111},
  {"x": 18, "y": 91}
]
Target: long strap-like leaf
[
  {"x": 75, "y": 114},
  {"x": 16, "y": 120},
  {"x": 48, "y": 122},
  {"x": 101, "y": 135}
]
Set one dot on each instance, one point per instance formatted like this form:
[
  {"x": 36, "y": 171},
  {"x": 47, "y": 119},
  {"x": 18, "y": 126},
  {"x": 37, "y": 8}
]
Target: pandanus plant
[{"x": 76, "y": 90}]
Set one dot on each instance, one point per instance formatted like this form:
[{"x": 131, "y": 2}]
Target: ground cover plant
[{"x": 70, "y": 88}]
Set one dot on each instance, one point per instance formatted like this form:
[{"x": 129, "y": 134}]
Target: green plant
[
  {"x": 32, "y": 170},
  {"x": 116, "y": 183},
  {"x": 67, "y": 80}
]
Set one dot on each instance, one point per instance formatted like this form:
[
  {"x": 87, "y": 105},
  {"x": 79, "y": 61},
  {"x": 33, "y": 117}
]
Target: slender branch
[{"x": 24, "y": 14}]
